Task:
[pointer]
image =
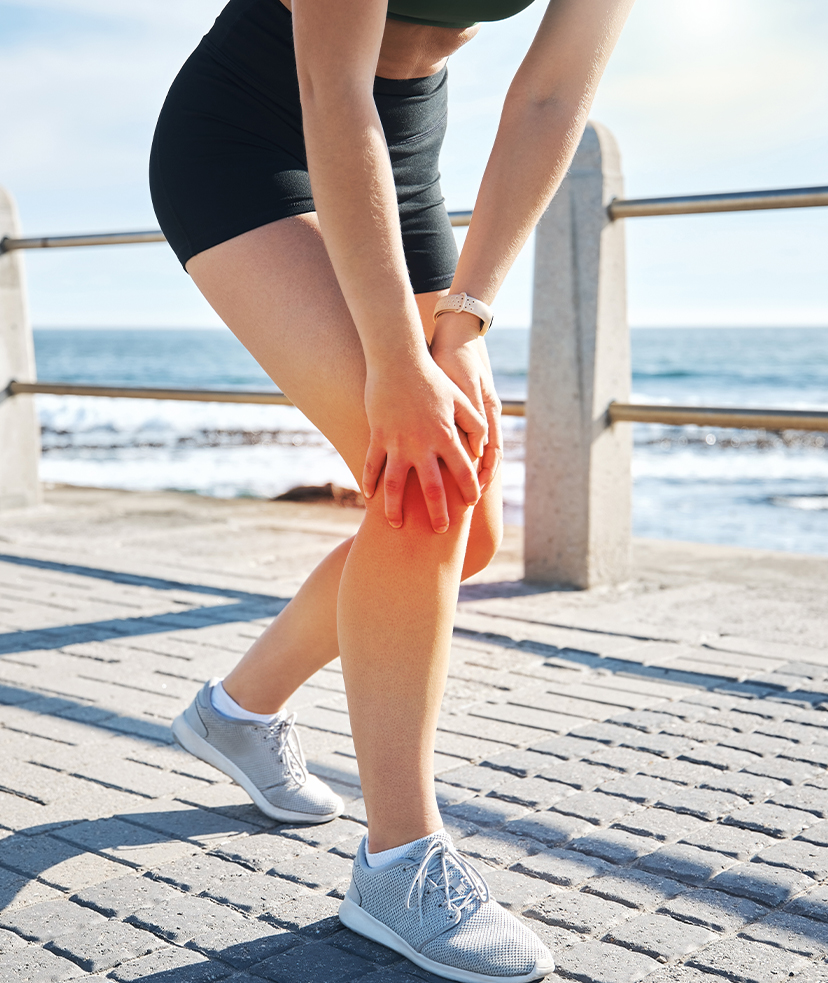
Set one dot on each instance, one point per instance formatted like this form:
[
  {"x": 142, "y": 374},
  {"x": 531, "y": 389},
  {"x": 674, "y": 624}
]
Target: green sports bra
[{"x": 453, "y": 13}]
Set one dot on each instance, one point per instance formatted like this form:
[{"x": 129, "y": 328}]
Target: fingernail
[
  {"x": 395, "y": 525},
  {"x": 441, "y": 529},
  {"x": 366, "y": 493}
]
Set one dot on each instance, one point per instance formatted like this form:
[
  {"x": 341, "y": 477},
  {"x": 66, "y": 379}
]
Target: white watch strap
[{"x": 457, "y": 303}]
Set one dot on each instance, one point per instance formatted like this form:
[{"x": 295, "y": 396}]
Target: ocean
[{"x": 737, "y": 487}]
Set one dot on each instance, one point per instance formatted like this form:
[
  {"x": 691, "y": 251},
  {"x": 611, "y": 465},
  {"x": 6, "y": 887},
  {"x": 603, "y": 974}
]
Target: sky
[{"x": 701, "y": 95}]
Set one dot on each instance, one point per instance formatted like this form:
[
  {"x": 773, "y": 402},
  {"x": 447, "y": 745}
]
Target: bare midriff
[{"x": 411, "y": 51}]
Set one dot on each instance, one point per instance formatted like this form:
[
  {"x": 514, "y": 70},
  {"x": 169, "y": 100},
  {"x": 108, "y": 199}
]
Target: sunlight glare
[{"x": 706, "y": 17}]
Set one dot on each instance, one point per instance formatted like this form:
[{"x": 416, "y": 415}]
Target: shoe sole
[
  {"x": 188, "y": 739},
  {"x": 358, "y": 920}
]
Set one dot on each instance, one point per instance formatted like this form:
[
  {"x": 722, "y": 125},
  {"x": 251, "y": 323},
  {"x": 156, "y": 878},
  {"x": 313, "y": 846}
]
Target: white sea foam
[{"x": 90, "y": 419}]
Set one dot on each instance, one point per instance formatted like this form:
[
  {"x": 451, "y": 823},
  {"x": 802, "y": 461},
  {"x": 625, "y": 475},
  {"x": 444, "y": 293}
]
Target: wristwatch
[{"x": 460, "y": 303}]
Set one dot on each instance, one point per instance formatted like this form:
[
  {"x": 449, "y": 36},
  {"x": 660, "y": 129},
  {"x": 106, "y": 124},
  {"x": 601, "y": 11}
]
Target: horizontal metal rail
[
  {"x": 511, "y": 407},
  {"x": 713, "y": 416},
  {"x": 460, "y": 220},
  {"x": 7, "y": 245},
  {"x": 680, "y": 416},
  {"x": 151, "y": 392},
  {"x": 734, "y": 201}
]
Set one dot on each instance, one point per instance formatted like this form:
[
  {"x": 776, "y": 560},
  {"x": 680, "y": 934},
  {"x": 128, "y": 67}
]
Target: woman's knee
[
  {"x": 485, "y": 537},
  {"x": 417, "y": 521}
]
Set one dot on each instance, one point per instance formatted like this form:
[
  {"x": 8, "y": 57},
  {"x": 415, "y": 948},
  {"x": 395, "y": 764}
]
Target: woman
[{"x": 341, "y": 298}]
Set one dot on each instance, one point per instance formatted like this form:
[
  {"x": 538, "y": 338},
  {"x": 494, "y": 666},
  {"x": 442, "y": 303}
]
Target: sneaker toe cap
[{"x": 494, "y": 943}]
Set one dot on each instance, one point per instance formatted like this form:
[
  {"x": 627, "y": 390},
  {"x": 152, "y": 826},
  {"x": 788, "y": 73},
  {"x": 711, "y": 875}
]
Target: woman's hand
[
  {"x": 414, "y": 411},
  {"x": 461, "y": 353}
]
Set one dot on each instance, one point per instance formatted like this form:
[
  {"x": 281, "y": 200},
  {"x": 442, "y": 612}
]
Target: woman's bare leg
[
  {"x": 303, "y": 638},
  {"x": 397, "y": 591},
  {"x": 295, "y": 645}
]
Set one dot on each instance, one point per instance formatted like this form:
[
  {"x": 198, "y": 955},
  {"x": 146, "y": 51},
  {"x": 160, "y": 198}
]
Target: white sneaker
[
  {"x": 265, "y": 759},
  {"x": 434, "y": 908}
]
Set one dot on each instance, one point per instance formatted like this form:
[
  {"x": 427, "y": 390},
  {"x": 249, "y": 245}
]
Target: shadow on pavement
[{"x": 246, "y": 606}]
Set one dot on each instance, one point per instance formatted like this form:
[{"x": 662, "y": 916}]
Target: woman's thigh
[{"x": 275, "y": 289}]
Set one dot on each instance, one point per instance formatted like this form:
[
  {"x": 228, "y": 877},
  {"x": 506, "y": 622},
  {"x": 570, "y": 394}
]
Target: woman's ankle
[
  {"x": 250, "y": 701},
  {"x": 231, "y": 707},
  {"x": 388, "y": 835}
]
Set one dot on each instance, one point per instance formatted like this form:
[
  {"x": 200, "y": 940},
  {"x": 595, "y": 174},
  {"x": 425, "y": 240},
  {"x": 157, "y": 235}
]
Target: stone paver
[
  {"x": 747, "y": 961},
  {"x": 660, "y": 936},
  {"x": 640, "y": 774},
  {"x": 184, "y": 918},
  {"x": 579, "y": 912},
  {"x": 790, "y": 932},
  {"x": 121, "y": 897},
  {"x": 635, "y": 888},
  {"x": 714, "y": 909},
  {"x": 562, "y": 867},
  {"x": 317, "y": 962},
  {"x": 100, "y": 947},
  {"x": 180, "y": 965},
  {"x": 762, "y": 882},
  {"x": 49, "y": 920},
  {"x": 36, "y": 965},
  {"x": 598, "y": 962},
  {"x": 686, "y": 863}
]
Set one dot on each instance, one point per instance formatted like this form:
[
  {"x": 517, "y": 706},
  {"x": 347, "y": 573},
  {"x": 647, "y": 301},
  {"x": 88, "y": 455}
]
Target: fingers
[
  {"x": 489, "y": 464},
  {"x": 434, "y": 493},
  {"x": 471, "y": 421},
  {"x": 432, "y": 485},
  {"x": 396, "y": 475},
  {"x": 493, "y": 452},
  {"x": 374, "y": 461},
  {"x": 461, "y": 469},
  {"x": 431, "y": 482}
]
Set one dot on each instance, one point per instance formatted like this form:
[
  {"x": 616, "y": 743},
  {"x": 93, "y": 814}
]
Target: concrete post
[
  {"x": 19, "y": 430},
  {"x": 578, "y": 479}
]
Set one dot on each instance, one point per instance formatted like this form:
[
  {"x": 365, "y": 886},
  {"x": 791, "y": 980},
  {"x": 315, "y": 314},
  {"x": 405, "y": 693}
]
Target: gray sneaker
[
  {"x": 265, "y": 759},
  {"x": 435, "y": 909}
]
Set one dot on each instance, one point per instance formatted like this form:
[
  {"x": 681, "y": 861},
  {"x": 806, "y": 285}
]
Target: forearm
[
  {"x": 543, "y": 118},
  {"x": 353, "y": 189},
  {"x": 534, "y": 146},
  {"x": 337, "y": 47}
]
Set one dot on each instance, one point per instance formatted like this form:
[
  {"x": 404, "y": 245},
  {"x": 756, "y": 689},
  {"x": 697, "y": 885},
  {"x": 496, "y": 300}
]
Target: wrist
[
  {"x": 393, "y": 350},
  {"x": 453, "y": 330}
]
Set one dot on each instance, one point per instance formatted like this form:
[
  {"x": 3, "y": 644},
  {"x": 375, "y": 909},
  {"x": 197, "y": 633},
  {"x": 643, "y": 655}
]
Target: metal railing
[
  {"x": 679, "y": 416},
  {"x": 577, "y": 530},
  {"x": 511, "y": 407},
  {"x": 618, "y": 208},
  {"x": 731, "y": 201}
]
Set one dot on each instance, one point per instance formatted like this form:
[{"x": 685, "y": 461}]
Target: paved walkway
[{"x": 643, "y": 773}]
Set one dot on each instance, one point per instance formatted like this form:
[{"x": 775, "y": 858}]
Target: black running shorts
[{"x": 229, "y": 153}]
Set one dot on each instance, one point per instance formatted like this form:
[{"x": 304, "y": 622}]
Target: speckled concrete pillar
[
  {"x": 578, "y": 480},
  {"x": 19, "y": 430}
]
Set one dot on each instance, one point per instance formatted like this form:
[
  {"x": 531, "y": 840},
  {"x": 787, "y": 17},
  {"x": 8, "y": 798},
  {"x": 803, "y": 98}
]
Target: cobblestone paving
[{"x": 653, "y": 804}]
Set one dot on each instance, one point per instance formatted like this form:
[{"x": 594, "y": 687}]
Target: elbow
[
  {"x": 527, "y": 100},
  {"x": 321, "y": 89},
  {"x": 544, "y": 112}
]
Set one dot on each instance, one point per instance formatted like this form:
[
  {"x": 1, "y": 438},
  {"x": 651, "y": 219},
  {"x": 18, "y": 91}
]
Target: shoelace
[
  {"x": 286, "y": 742},
  {"x": 470, "y": 877}
]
